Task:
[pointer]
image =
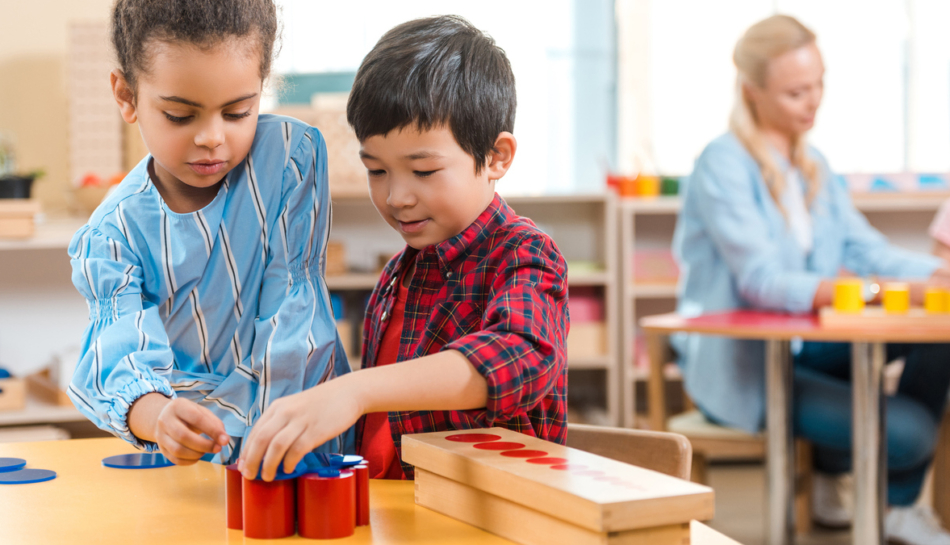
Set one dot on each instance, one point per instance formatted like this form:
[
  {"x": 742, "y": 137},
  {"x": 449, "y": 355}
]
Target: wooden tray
[
  {"x": 602, "y": 496},
  {"x": 876, "y": 317}
]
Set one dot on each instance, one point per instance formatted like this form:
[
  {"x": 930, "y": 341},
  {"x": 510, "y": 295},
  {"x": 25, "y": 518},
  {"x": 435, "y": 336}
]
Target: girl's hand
[
  {"x": 294, "y": 425},
  {"x": 179, "y": 428}
]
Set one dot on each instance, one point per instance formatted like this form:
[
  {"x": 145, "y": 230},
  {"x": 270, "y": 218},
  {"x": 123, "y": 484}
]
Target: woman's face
[{"x": 792, "y": 92}]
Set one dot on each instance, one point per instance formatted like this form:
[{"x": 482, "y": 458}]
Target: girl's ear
[
  {"x": 501, "y": 155},
  {"x": 123, "y": 95}
]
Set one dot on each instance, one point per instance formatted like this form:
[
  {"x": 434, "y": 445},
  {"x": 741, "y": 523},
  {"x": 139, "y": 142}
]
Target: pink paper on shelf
[{"x": 585, "y": 306}]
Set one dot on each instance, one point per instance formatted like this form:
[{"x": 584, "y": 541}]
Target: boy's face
[
  {"x": 424, "y": 184},
  {"x": 197, "y": 110}
]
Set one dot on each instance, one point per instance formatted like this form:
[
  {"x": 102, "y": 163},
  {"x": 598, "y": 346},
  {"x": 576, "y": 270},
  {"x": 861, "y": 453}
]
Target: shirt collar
[{"x": 449, "y": 251}]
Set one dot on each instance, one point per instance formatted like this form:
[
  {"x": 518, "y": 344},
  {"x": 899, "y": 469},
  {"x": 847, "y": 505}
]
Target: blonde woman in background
[{"x": 766, "y": 225}]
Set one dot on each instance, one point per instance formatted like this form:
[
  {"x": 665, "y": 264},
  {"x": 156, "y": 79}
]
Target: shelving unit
[
  {"x": 903, "y": 217},
  {"x": 583, "y": 227}
]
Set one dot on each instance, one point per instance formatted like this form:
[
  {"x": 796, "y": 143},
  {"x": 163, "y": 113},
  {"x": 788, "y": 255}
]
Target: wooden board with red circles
[{"x": 578, "y": 487}]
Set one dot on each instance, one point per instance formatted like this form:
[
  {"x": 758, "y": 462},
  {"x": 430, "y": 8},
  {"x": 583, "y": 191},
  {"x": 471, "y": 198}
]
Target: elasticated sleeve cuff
[{"x": 118, "y": 410}]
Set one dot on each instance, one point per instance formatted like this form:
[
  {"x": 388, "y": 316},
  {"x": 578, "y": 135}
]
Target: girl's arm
[{"x": 124, "y": 345}]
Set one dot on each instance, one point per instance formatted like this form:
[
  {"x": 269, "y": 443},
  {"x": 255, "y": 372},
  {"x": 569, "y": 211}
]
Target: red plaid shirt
[{"x": 497, "y": 293}]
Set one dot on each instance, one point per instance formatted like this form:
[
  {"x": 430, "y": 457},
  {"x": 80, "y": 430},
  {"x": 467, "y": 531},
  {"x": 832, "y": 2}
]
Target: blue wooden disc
[
  {"x": 139, "y": 460},
  {"x": 11, "y": 464},
  {"x": 27, "y": 476},
  {"x": 348, "y": 460}
]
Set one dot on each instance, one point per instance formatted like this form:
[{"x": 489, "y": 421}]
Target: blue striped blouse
[{"x": 226, "y": 306}]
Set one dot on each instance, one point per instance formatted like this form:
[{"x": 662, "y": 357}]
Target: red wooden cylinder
[
  {"x": 362, "y": 494},
  {"x": 326, "y": 506},
  {"x": 233, "y": 503},
  {"x": 269, "y": 509}
]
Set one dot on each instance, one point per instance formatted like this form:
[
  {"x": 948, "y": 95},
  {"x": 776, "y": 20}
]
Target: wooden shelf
[
  {"x": 52, "y": 233},
  {"x": 924, "y": 201},
  {"x": 592, "y": 362},
  {"x": 651, "y": 291},
  {"x": 664, "y": 204},
  {"x": 566, "y": 198},
  {"x": 588, "y": 279},
  {"x": 352, "y": 281},
  {"x": 40, "y": 412}
]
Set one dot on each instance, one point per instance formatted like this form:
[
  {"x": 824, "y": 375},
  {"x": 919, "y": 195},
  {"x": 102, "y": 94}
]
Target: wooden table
[
  {"x": 868, "y": 359},
  {"x": 88, "y": 503}
]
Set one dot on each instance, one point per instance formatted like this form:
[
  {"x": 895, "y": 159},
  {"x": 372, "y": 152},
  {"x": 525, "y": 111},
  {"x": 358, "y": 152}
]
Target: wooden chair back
[{"x": 668, "y": 453}]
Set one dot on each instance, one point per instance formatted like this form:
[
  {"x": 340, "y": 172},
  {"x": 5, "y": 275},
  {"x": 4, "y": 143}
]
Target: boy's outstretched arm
[{"x": 294, "y": 425}]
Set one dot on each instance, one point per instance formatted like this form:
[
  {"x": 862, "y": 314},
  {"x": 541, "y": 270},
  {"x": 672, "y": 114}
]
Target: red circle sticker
[
  {"x": 547, "y": 461},
  {"x": 524, "y": 453},
  {"x": 473, "y": 438},
  {"x": 569, "y": 467},
  {"x": 499, "y": 445}
]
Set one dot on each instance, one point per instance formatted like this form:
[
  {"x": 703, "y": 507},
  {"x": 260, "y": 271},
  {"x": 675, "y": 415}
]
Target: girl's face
[
  {"x": 794, "y": 84},
  {"x": 197, "y": 110}
]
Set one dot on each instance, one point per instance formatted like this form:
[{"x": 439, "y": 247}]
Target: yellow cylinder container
[
  {"x": 849, "y": 296},
  {"x": 896, "y": 298},
  {"x": 936, "y": 301}
]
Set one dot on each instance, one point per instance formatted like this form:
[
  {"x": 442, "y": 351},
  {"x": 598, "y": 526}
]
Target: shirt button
[
  {"x": 384, "y": 316},
  {"x": 448, "y": 274}
]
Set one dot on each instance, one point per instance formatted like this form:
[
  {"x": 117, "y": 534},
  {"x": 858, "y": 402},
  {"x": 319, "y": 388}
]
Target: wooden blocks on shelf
[
  {"x": 95, "y": 127},
  {"x": 12, "y": 394},
  {"x": 533, "y": 491},
  {"x": 17, "y": 218},
  {"x": 42, "y": 386},
  {"x": 586, "y": 340}
]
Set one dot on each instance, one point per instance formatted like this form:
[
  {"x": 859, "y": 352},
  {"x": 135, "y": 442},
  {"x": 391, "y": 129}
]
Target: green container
[{"x": 669, "y": 185}]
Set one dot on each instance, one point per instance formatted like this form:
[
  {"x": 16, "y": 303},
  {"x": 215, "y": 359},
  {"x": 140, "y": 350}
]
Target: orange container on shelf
[{"x": 627, "y": 186}]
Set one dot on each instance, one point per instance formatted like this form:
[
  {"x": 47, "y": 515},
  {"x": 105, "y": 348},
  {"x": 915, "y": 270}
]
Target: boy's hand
[
  {"x": 294, "y": 425},
  {"x": 178, "y": 430}
]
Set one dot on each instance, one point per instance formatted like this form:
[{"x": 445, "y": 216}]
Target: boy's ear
[
  {"x": 501, "y": 155},
  {"x": 123, "y": 95}
]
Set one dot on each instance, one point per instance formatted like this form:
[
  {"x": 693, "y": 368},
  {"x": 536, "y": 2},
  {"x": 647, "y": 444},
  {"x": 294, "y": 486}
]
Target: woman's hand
[
  {"x": 940, "y": 278},
  {"x": 294, "y": 425}
]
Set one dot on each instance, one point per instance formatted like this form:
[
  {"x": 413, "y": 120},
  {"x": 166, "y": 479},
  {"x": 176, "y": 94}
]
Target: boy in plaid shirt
[{"x": 474, "y": 309}]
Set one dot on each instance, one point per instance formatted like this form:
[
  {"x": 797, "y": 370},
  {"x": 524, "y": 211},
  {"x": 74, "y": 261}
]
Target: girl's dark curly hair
[{"x": 203, "y": 23}]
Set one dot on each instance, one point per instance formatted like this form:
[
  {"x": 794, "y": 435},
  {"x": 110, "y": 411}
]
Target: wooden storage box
[
  {"x": 17, "y": 217},
  {"x": 586, "y": 340},
  {"x": 559, "y": 496},
  {"x": 43, "y": 387},
  {"x": 12, "y": 394},
  {"x": 336, "y": 258}
]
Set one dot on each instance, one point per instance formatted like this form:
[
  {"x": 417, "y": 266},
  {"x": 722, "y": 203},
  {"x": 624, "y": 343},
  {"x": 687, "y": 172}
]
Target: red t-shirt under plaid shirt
[{"x": 497, "y": 293}]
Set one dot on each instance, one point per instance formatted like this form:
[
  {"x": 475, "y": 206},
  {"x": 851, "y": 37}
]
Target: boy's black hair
[
  {"x": 204, "y": 23},
  {"x": 433, "y": 72}
]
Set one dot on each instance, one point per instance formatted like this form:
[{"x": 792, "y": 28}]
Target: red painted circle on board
[
  {"x": 473, "y": 437},
  {"x": 569, "y": 467},
  {"x": 500, "y": 445},
  {"x": 524, "y": 453},
  {"x": 547, "y": 461}
]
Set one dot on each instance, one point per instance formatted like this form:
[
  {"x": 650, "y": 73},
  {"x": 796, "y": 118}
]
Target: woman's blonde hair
[{"x": 761, "y": 43}]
